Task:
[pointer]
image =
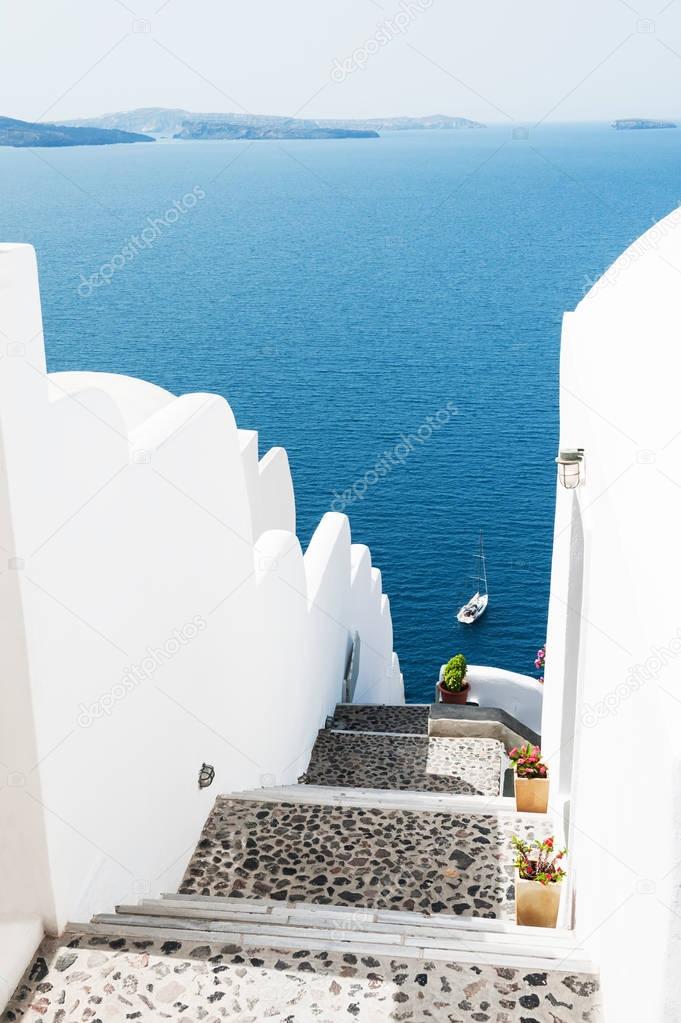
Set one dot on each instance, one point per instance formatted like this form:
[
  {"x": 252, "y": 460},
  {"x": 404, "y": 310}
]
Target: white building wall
[
  {"x": 612, "y": 702},
  {"x": 156, "y": 612},
  {"x": 379, "y": 669}
]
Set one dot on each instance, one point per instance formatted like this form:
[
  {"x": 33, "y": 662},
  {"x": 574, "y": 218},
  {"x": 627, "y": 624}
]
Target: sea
[{"x": 387, "y": 310}]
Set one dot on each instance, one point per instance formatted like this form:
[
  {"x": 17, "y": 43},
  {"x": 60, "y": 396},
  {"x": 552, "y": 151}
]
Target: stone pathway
[
  {"x": 411, "y": 719},
  {"x": 374, "y": 858},
  {"x": 366, "y": 760},
  {"x": 140, "y": 965},
  {"x": 95, "y": 979}
]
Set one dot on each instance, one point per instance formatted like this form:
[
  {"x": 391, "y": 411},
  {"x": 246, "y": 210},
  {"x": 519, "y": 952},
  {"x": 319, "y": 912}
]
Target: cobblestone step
[
  {"x": 397, "y": 762},
  {"x": 474, "y": 935},
  {"x": 407, "y": 719},
  {"x": 110, "y": 973},
  {"x": 382, "y": 858},
  {"x": 391, "y": 939}
]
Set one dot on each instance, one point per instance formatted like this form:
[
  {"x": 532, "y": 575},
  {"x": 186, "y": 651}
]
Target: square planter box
[
  {"x": 531, "y": 794},
  {"x": 536, "y": 904}
]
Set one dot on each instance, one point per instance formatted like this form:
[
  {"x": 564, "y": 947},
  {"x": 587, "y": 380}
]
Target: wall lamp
[
  {"x": 206, "y": 775},
  {"x": 569, "y": 464}
]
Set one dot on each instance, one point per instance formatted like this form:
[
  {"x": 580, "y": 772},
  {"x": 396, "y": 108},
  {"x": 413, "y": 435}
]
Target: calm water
[{"x": 340, "y": 293}]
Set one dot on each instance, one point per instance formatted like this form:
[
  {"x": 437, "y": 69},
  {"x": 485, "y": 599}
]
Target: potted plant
[
  {"x": 538, "y": 877},
  {"x": 454, "y": 687},
  {"x": 530, "y": 779}
]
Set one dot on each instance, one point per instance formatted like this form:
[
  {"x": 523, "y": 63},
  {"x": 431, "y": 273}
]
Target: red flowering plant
[
  {"x": 538, "y": 861},
  {"x": 540, "y": 661},
  {"x": 528, "y": 762}
]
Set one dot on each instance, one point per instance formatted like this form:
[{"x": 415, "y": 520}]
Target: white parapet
[
  {"x": 519, "y": 695},
  {"x": 156, "y": 612}
]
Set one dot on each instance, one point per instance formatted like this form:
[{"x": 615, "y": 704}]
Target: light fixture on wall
[
  {"x": 569, "y": 462},
  {"x": 206, "y": 775}
]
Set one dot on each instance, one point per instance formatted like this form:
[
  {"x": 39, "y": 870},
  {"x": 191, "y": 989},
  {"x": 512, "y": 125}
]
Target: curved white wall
[
  {"x": 612, "y": 710},
  {"x": 519, "y": 695},
  {"x": 156, "y": 611}
]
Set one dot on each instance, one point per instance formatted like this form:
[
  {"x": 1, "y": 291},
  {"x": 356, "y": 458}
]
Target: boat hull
[{"x": 473, "y": 610}]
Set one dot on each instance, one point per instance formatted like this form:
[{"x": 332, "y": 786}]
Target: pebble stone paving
[
  {"x": 432, "y": 861},
  {"x": 98, "y": 979},
  {"x": 362, "y": 760},
  {"x": 410, "y": 719}
]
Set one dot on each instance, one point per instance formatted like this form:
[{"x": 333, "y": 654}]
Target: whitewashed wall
[
  {"x": 519, "y": 695},
  {"x": 612, "y": 700},
  {"x": 156, "y": 611}
]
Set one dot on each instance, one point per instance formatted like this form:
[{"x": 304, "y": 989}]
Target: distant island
[
  {"x": 163, "y": 122},
  {"x": 639, "y": 124},
  {"x": 228, "y": 130},
  {"x": 30, "y": 134}
]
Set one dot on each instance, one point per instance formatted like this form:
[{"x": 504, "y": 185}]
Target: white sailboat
[{"x": 477, "y": 605}]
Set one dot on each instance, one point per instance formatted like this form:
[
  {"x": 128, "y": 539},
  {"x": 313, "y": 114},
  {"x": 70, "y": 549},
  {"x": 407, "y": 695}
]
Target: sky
[{"x": 490, "y": 60}]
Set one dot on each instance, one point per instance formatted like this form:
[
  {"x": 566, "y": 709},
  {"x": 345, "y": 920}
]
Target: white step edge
[
  {"x": 391, "y": 917},
  {"x": 310, "y": 941},
  {"x": 380, "y": 799},
  {"x": 384, "y": 705},
  {"x": 365, "y": 922},
  {"x": 301, "y": 932}
]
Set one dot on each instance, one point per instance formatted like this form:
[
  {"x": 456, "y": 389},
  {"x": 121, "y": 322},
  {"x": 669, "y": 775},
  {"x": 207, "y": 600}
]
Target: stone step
[
  {"x": 386, "y": 858},
  {"x": 406, "y": 799},
  {"x": 406, "y": 762},
  {"x": 451, "y": 719},
  {"x": 391, "y": 939},
  {"x": 412, "y": 928},
  {"x": 406, "y": 719},
  {"x": 218, "y": 905},
  {"x": 149, "y": 974}
]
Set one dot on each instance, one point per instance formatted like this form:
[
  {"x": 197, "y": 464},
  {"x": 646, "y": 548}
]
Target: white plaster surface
[
  {"x": 612, "y": 702},
  {"x": 156, "y": 612},
  {"x": 19, "y": 938}
]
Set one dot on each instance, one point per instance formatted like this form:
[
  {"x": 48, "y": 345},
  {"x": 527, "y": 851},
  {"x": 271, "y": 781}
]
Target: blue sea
[{"x": 387, "y": 310}]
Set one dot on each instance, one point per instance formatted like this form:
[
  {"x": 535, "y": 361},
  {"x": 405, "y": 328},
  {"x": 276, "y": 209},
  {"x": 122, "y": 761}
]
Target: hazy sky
[{"x": 492, "y": 60}]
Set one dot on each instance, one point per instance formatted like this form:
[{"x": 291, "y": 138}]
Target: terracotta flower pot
[
  {"x": 531, "y": 794},
  {"x": 449, "y": 697},
  {"x": 536, "y": 904}
]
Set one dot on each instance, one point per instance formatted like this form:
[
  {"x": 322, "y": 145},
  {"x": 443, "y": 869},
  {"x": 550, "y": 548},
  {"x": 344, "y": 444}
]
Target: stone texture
[
  {"x": 432, "y": 861},
  {"x": 104, "y": 979},
  {"x": 410, "y": 719},
  {"x": 464, "y": 766}
]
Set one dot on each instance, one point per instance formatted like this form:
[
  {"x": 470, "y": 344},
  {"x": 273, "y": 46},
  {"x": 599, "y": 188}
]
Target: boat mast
[{"x": 484, "y": 569}]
